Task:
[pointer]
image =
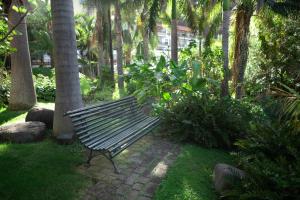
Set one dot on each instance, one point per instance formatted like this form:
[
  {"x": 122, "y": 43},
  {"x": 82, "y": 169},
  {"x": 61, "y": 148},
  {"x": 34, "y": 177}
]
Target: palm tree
[
  {"x": 174, "y": 35},
  {"x": 22, "y": 93},
  {"x": 104, "y": 35},
  {"x": 68, "y": 96},
  {"x": 243, "y": 16},
  {"x": 119, "y": 44},
  {"x": 244, "y": 13},
  {"x": 225, "y": 41}
]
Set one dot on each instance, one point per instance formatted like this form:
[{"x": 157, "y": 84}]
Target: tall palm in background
[
  {"x": 104, "y": 36},
  {"x": 119, "y": 44},
  {"x": 22, "y": 94},
  {"x": 225, "y": 44},
  {"x": 68, "y": 96}
]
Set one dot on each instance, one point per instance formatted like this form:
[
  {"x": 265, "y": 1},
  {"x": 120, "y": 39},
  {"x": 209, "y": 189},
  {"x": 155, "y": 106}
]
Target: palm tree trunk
[
  {"x": 174, "y": 38},
  {"x": 119, "y": 43},
  {"x": 241, "y": 50},
  {"x": 68, "y": 95},
  {"x": 145, "y": 32},
  {"x": 22, "y": 93},
  {"x": 225, "y": 41},
  {"x": 111, "y": 55},
  {"x": 99, "y": 28}
]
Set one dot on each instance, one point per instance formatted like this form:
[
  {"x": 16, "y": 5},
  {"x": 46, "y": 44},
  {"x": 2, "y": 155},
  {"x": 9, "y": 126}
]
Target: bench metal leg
[
  {"x": 117, "y": 171},
  {"x": 88, "y": 162}
]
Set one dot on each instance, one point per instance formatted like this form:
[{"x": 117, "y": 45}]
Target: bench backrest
[{"x": 100, "y": 120}]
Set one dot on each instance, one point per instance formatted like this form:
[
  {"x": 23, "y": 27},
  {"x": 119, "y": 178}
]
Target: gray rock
[
  {"x": 225, "y": 176},
  {"x": 41, "y": 115},
  {"x": 23, "y": 132}
]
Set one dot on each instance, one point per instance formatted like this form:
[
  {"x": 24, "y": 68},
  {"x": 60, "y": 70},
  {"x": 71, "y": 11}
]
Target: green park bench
[{"x": 109, "y": 128}]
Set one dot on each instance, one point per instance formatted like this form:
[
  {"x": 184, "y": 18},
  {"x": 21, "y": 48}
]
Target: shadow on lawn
[{"x": 7, "y": 115}]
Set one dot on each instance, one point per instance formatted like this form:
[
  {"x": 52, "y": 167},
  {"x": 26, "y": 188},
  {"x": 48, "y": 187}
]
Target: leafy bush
[
  {"x": 45, "y": 88},
  {"x": 270, "y": 157},
  {"x": 210, "y": 122},
  {"x": 4, "y": 88}
]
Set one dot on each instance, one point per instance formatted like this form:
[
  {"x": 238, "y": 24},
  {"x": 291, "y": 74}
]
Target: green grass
[
  {"x": 190, "y": 178},
  {"x": 36, "y": 171},
  {"x": 42, "y": 170}
]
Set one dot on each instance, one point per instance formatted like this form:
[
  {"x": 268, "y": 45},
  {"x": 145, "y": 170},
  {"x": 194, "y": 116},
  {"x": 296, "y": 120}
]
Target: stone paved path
[{"x": 142, "y": 166}]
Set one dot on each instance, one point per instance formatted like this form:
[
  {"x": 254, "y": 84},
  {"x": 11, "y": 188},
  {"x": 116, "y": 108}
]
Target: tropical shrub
[
  {"x": 270, "y": 157},
  {"x": 211, "y": 122}
]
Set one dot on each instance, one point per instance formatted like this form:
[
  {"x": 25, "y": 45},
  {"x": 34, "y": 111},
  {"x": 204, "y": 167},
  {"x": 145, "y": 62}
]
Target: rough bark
[
  {"x": 99, "y": 28},
  {"x": 241, "y": 50},
  {"x": 68, "y": 95},
  {"x": 174, "y": 37},
  {"x": 225, "y": 42},
  {"x": 22, "y": 93},
  {"x": 111, "y": 55},
  {"x": 119, "y": 43},
  {"x": 145, "y": 33}
]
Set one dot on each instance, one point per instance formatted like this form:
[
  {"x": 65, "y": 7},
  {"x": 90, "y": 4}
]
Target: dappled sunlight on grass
[
  {"x": 8, "y": 117},
  {"x": 190, "y": 178},
  {"x": 3, "y": 148}
]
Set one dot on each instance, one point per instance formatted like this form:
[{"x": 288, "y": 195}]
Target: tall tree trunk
[
  {"x": 225, "y": 42},
  {"x": 174, "y": 38},
  {"x": 68, "y": 95},
  {"x": 99, "y": 28},
  {"x": 111, "y": 54},
  {"x": 241, "y": 50},
  {"x": 145, "y": 33},
  {"x": 128, "y": 55},
  {"x": 119, "y": 43},
  {"x": 22, "y": 93}
]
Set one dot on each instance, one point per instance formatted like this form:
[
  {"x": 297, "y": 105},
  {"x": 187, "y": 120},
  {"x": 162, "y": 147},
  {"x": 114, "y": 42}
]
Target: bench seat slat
[
  {"x": 125, "y": 133},
  {"x": 101, "y": 121},
  {"x": 112, "y": 133},
  {"x": 104, "y": 110},
  {"x": 108, "y": 130},
  {"x": 82, "y": 110},
  {"x": 117, "y": 150}
]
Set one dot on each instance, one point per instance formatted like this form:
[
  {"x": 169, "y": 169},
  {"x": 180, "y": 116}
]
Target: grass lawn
[
  {"x": 190, "y": 178},
  {"x": 36, "y": 171}
]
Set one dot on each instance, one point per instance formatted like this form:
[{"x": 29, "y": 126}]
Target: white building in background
[{"x": 185, "y": 36}]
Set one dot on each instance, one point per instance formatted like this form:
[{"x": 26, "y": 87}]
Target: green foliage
[
  {"x": 40, "y": 30},
  {"x": 277, "y": 54},
  {"x": 211, "y": 122},
  {"x": 45, "y": 88},
  {"x": 270, "y": 157},
  {"x": 4, "y": 88},
  {"x": 189, "y": 178}
]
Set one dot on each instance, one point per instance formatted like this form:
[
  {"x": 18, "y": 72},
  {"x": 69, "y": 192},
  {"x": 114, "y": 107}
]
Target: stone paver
[{"x": 142, "y": 167}]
